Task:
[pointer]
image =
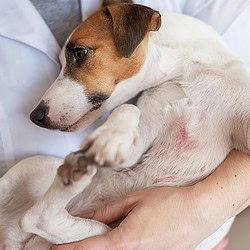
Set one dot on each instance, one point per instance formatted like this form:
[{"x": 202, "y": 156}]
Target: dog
[{"x": 192, "y": 110}]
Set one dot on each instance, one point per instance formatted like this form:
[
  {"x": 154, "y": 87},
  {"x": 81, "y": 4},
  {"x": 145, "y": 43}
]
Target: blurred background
[{"x": 239, "y": 236}]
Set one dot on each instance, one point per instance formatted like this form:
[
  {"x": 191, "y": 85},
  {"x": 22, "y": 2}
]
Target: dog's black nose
[{"x": 38, "y": 115}]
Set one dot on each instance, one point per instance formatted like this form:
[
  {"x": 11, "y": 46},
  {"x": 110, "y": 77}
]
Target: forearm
[{"x": 228, "y": 188}]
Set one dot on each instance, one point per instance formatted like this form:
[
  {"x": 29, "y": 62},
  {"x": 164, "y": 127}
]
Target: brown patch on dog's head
[{"x": 114, "y": 41}]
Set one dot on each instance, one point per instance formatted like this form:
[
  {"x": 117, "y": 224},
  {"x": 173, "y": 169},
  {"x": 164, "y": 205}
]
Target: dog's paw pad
[{"x": 76, "y": 170}]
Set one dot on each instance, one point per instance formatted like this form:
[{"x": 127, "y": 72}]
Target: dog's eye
[{"x": 80, "y": 53}]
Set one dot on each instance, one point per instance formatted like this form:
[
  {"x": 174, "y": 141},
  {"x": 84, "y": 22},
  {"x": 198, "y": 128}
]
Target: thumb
[
  {"x": 115, "y": 210},
  {"x": 110, "y": 241}
]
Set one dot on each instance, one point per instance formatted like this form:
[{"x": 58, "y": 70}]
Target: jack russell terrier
[{"x": 192, "y": 111}]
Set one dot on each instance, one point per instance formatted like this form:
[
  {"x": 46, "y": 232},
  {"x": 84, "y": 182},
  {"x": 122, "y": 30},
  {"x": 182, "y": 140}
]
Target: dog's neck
[{"x": 161, "y": 65}]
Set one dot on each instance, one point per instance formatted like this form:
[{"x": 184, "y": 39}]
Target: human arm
[
  {"x": 227, "y": 186},
  {"x": 175, "y": 218}
]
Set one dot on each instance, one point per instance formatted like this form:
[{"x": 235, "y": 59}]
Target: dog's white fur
[{"x": 193, "y": 112}]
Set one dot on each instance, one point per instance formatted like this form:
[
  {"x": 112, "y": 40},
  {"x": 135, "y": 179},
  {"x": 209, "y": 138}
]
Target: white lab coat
[{"x": 29, "y": 64}]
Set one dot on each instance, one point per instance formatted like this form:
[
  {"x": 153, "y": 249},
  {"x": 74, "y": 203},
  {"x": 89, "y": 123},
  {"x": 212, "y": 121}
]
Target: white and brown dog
[{"x": 193, "y": 111}]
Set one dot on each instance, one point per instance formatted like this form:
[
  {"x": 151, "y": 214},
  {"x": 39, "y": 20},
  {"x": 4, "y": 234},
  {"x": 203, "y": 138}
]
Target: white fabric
[
  {"x": 216, "y": 237},
  {"x": 29, "y": 64}
]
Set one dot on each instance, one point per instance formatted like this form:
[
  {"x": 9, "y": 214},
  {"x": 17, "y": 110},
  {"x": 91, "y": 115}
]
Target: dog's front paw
[
  {"x": 77, "y": 168},
  {"x": 110, "y": 144}
]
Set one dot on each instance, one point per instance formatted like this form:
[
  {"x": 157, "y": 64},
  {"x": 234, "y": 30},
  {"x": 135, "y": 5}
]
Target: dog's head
[{"x": 109, "y": 47}]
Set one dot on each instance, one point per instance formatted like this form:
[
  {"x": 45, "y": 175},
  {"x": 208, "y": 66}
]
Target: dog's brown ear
[
  {"x": 110, "y": 2},
  {"x": 131, "y": 23}
]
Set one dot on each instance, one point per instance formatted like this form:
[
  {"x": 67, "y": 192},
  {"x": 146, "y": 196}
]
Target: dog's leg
[
  {"x": 111, "y": 142},
  {"x": 130, "y": 130},
  {"x": 49, "y": 219}
]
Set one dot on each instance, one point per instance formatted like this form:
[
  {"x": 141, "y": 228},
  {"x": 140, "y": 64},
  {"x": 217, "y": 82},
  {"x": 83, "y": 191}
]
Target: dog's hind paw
[{"x": 77, "y": 168}]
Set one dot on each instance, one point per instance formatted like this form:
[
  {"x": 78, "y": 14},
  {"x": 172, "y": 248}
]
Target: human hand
[{"x": 159, "y": 218}]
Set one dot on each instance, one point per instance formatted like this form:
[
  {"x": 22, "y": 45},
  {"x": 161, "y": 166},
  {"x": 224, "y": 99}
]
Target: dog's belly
[{"x": 193, "y": 142}]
